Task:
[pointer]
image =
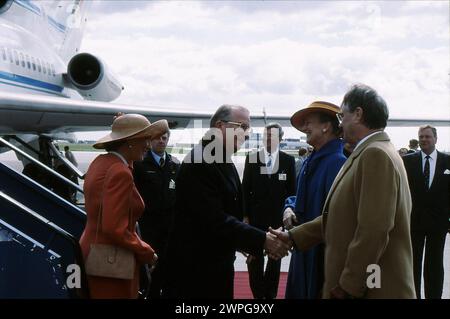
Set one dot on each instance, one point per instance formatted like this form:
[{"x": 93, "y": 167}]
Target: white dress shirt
[
  {"x": 273, "y": 157},
  {"x": 366, "y": 138},
  {"x": 432, "y": 160}
]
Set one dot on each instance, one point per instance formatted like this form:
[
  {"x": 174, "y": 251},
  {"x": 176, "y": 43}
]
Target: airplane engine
[
  {"x": 5, "y": 5},
  {"x": 92, "y": 78}
]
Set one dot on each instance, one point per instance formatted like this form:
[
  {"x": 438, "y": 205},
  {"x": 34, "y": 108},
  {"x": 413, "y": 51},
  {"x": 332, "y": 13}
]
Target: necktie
[
  {"x": 269, "y": 161},
  {"x": 161, "y": 162},
  {"x": 426, "y": 172}
]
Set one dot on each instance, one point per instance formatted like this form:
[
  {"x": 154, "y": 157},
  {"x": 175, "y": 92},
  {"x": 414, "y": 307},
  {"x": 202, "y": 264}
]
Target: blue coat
[{"x": 305, "y": 278}]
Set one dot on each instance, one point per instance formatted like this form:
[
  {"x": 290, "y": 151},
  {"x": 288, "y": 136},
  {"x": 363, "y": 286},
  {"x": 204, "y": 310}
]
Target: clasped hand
[{"x": 277, "y": 243}]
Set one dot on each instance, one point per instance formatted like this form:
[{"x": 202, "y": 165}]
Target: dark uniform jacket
[{"x": 157, "y": 187}]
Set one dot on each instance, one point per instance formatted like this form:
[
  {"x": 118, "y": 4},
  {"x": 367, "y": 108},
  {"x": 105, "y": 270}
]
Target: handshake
[{"x": 277, "y": 243}]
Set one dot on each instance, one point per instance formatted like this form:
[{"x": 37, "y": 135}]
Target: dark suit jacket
[
  {"x": 431, "y": 208},
  {"x": 153, "y": 182},
  {"x": 264, "y": 194},
  {"x": 207, "y": 230}
]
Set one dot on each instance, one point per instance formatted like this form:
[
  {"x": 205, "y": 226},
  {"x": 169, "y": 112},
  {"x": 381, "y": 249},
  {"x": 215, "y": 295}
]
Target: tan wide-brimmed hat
[
  {"x": 131, "y": 126},
  {"x": 298, "y": 119}
]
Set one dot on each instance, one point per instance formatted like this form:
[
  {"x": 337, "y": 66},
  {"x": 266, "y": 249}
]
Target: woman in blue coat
[{"x": 319, "y": 122}]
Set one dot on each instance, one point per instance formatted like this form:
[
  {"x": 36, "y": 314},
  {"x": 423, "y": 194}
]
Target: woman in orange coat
[{"x": 109, "y": 188}]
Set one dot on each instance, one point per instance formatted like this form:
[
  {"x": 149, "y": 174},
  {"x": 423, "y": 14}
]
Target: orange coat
[{"x": 109, "y": 181}]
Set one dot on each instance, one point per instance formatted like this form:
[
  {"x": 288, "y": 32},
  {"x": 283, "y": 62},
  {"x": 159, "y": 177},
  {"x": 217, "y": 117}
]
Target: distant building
[
  {"x": 292, "y": 143},
  {"x": 255, "y": 142}
]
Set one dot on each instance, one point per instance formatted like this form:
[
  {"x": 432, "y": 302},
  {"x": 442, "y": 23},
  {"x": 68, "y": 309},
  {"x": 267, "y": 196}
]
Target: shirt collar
[
  {"x": 366, "y": 138},
  {"x": 273, "y": 154},
  {"x": 433, "y": 155},
  {"x": 158, "y": 157}
]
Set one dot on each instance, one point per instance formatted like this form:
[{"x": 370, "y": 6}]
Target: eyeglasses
[
  {"x": 340, "y": 117},
  {"x": 243, "y": 126}
]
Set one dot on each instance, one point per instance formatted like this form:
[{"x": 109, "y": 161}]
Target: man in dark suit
[
  {"x": 155, "y": 180},
  {"x": 413, "y": 146},
  {"x": 208, "y": 227},
  {"x": 429, "y": 182},
  {"x": 269, "y": 178}
]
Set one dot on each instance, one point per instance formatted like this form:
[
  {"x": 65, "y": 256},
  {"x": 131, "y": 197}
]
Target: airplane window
[
  {"x": 38, "y": 63},
  {"x": 4, "y": 53},
  {"x": 33, "y": 63},
  {"x": 10, "y": 55},
  {"x": 22, "y": 60},
  {"x": 53, "y": 70},
  {"x": 49, "y": 71},
  {"x": 28, "y": 61},
  {"x": 44, "y": 68},
  {"x": 16, "y": 57}
]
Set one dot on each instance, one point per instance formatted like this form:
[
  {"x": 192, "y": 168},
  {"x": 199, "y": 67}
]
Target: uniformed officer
[{"x": 155, "y": 179}]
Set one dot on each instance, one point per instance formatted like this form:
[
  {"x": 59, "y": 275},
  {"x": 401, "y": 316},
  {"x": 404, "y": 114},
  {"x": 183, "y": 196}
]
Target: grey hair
[
  {"x": 277, "y": 126},
  {"x": 223, "y": 113},
  {"x": 375, "y": 110}
]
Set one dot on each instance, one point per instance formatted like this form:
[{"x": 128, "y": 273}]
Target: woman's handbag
[{"x": 109, "y": 260}]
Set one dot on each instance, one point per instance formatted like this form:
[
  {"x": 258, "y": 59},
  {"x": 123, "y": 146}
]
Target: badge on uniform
[
  {"x": 282, "y": 177},
  {"x": 172, "y": 184}
]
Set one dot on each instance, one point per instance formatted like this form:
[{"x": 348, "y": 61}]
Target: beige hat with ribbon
[
  {"x": 298, "y": 119},
  {"x": 131, "y": 126}
]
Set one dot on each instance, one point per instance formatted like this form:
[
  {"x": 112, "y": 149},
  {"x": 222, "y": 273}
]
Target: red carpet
[{"x": 242, "y": 287}]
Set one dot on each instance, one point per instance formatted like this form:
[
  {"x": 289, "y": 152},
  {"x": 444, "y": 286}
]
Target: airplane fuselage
[
  {"x": 33, "y": 48},
  {"x": 27, "y": 65}
]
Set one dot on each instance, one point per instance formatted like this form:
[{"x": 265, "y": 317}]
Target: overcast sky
[{"x": 280, "y": 55}]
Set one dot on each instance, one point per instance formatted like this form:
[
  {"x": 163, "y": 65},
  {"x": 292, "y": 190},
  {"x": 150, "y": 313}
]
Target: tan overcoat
[{"x": 366, "y": 221}]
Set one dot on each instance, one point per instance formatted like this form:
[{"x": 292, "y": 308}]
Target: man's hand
[
  {"x": 283, "y": 235},
  {"x": 118, "y": 114},
  {"x": 277, "y": 247},
  {"x": 289, "y": 218}
]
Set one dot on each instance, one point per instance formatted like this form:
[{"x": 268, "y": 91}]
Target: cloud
[
  {"x": 277, "y": 55},
  {"x": 102, "y": 7}
]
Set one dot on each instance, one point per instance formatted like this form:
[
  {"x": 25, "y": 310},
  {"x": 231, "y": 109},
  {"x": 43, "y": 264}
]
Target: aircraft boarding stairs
[{"x": 39, "y": 234}]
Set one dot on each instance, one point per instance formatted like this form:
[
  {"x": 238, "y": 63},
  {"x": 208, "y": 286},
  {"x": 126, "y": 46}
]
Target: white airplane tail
[{"x": 66, "y": 21}]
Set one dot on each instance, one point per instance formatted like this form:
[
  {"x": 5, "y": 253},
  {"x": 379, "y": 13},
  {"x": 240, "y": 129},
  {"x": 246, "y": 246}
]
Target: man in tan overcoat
[{"x": 366, "y": 217}]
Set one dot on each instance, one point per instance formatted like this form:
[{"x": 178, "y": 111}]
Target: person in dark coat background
[
  {"x": 319, "y": 122},
  {"x": 413, "y": 146},
  {"x": 429, "y": 183},
  {"x": 269, "y": 178},
  {"x": 208, "y": 227},
  {"x": 155, "y": 180}
]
